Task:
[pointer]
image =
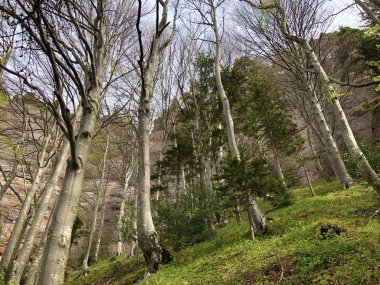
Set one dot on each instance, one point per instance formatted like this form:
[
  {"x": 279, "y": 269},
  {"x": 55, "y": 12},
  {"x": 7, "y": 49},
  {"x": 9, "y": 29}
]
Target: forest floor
[{"x": 292, "y": 252}]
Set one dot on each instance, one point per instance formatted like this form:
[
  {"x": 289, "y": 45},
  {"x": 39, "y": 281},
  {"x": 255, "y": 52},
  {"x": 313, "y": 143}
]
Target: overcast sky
[{"x": 349, "y": 17}]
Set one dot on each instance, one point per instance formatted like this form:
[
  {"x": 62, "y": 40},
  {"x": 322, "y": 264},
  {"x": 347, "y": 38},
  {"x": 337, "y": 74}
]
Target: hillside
[{"x": 292, "y": 252}]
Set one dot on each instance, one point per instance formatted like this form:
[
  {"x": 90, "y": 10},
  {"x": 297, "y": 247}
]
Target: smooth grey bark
[
  {"x": 332, "y": 149},
  {"x": 28, "y": 245},
  {"x": 121, "y": 217},
  {"x": 133, "y": 242},
  {"x": 345, "y": 130},
  {"x": 334, "y": 155},
  {"x": 58, "y": 243},
  {"x": 234, "y": 151},
  {"x": 99, "y": 199},
  {"x": 222, "y": 94},
  {"x": 146, "y": 233},
  {"x": 368, "y": 11},
  {"x": 12, "y": 243},
  {"x": 308, "y": 179},
  {"x": 34, "y": 270},
  {"x": 278, "y": 168},
  {"x": 257, "y": 220}
]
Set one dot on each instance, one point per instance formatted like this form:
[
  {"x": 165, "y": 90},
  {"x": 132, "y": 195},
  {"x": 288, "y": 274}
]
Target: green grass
[{"x": 292, "y": 252}]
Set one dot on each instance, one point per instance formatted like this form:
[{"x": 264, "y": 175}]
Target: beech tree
[
  {"x": 271, "y": 43},
  {"x": 147, "y": 235}
]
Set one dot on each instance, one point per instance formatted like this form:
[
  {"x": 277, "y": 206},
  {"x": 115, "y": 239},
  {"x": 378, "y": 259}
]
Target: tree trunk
[
  {"x": 121, "y": 217},
  {"x": 133, "y": 242},
  {"x": 11, "y": 247},
  {"x": 308, "y": 180},
  {"x": 34, "y": 270},
  {"x": 222, "y": 94},
  {"x": 234, "y": 151},
  {"x": 278, "y": 168},
  {"x": 147, "y": 235},
  {"x": 257, "y": 220},
  {"x": 334, "y": 156},
  {"x": 101, "y": 226},
  {"x": 364, "y": 167},
  {"x": 99, "y": 198},
  {"x": 27, "y": 248},
  {"x": 320, "y": 168},
  {"x": 58, "y": 243},
  {"x": 237, "y": 211},
  {"x": 362, "y": 163}
]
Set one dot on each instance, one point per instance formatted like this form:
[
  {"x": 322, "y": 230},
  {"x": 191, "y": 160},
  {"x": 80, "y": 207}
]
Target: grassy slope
[{"x": 292, "y": 252}]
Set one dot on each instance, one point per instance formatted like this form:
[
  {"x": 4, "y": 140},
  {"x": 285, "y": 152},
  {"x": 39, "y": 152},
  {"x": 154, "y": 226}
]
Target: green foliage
[
  {"x": 370, "y": 150},
  {"x": 250, "y": 175},
  {"x": 252, "y": 91},
  {"x": 293, "y": 243},
  {"x": 77, "y": 226},
  {"x": 188, "y": 220}
]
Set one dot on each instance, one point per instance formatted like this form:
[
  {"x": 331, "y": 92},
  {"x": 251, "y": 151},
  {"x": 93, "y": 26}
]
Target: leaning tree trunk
[
  {"x": 320, "y": 168},
  {"x": 27, "y": 247},
  {"x": 34, "y": 270},
  {"x": 12, "y": 243},
  {"x": 58, "y": 242},
  {"x": 334, "y": 156},
  {"x": 257, "y": 220},
  {"x": 308, "y": 179},
  {"x": 364, "y": 167},
  {"x": 234, "y": 151},
  {"x": 278, "y": 168}
]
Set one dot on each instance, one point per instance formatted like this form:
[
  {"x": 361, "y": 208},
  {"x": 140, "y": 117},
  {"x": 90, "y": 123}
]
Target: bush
[
  {"x": 189, "y": 220},
  {"x": 371, "y": 151}
]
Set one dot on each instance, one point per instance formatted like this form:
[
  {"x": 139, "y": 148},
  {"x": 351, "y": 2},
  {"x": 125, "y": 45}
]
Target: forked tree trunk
[
  {"x": 364, "y": 167},
  {"x": 58, "y": 242},
  {"x": 257, "y": 220},
  {"x": 28, "y": 245},
  {"x": 146, "y": 233},
  {"x": 99, "y": 198},
  {"x": 12, "y": 243}
]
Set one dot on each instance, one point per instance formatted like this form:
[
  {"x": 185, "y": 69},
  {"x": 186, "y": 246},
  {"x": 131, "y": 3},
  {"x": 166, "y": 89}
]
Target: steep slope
[{"x": 293, "y": 251}]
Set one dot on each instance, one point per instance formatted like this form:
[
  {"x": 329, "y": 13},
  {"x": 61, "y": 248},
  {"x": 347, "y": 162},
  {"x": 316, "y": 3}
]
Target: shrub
[
  {"x": 189, "y": 220},
  {"x": 371, "y": 151}
]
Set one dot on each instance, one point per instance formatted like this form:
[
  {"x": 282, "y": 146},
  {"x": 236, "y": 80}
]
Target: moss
[{"x": 293, "y": 251}]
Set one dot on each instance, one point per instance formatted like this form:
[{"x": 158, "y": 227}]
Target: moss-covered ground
[{"x": 293, "y": 251}]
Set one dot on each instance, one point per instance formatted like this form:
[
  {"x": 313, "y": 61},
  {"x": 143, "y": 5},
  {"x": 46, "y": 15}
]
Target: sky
[{"x": 350, "y": 17}]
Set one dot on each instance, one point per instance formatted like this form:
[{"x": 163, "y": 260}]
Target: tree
[
  {"x": 272, "y": 44},
  {"x": 147, "y": 235}
]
